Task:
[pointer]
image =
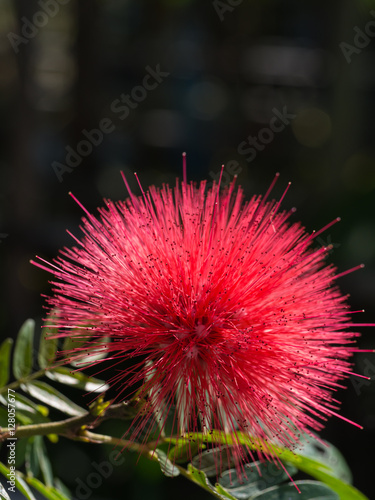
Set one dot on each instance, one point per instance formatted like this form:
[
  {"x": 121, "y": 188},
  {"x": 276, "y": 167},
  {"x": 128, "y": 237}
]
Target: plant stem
[
  {"x": 25, "y": 380},
  {"x": 39, "y": 373},
  {"x": 93, "y": 437},
  {"x": 71, "y": 427}
]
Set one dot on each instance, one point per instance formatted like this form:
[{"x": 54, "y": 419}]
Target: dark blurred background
[{"x": 221, "y": 71}]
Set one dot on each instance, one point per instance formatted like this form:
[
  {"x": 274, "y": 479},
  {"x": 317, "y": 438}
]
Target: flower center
[{"x": 201, "y": 331}]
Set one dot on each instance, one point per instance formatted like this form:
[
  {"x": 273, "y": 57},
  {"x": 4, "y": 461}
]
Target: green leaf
[
  {"x": 21, "y": 485},
  {"x": 256, "y": 477},
  {"x": 315, "y": 469},
  {"x": 3, "y": 417},
  {"x": 37, "y": 460},
  {"x": 27, "y": 411},
  {"x": 48, "y": 492},
  {"x": 166, "y": 465},
  {"x": 62, "y": 489},
  {"x": 52, "y": 397},
  {"x": 325, "y": 453},
  {"x": 77, "y": 379},
  {"x": 20, "y": 416},
  {"x": 45, "y": 464},
  {"x": 21, "y": 445},
  {"x": 24, "y": 404},
  {"x": 310, "y": 490},
  {"x": 48, "y": 344},
  {"x": 222, "y": 491},
  {"x": 72, "y": 343},
  {"x": 184, "y": 451},
  {"x": 5, "y": 350},
  {"x": 209, "y": 461},
  {"x": 3, "y": 493},
  {"x": 199, "y": 477},
  {"x": 31, "y": 464},
  {"x": 24, "y": 418},
  {"x": 23, "y": 352},
  {"x": 81, "y": 350}
]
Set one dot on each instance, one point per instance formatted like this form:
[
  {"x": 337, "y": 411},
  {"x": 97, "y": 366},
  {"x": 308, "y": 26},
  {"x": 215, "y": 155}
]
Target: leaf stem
[
  {"x": 16, "y": 384},
  {"x": 93, "y": 437},
  {"x": 24, "y": 380}
]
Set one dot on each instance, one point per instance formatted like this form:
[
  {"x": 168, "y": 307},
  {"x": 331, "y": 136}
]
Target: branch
[
  {"x": 72, "y": 427},
  {"x": 92, "y": 437}
]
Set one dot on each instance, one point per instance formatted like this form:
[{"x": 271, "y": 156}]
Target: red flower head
[{"x": 228, "y": 311}]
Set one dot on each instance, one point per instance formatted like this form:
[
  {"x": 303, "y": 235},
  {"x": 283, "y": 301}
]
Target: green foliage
[
  {"x": 23, "y": 352},
  {"x": 200, "y": 478},
  {"x": 24, "y": 482},
  {"x": 166, "y": 466},
  {"x": 183, "y": 451},
  {"x": 208, "y": 460},
  {"x": 76, "y": 379},
  {"x": 31, "y": 453},
  {"x": 256, "y": 477},
  {"x": 52, "y": 397},
  {"x": 327, "y": 473},
  {"x": 48, "y": 344},
  {"x": 327, "y": 454},
  {"x": 3, "y": 493},
  {"x": 82, "y": 356},
  {"x": 5, "y": 351},
  {"x": 309, "y": 490}
]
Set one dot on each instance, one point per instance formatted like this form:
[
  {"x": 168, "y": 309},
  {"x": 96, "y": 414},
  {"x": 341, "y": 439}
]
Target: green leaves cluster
[
  {"x": 32, "y": 400},
  {"x": 264, "y": 480}
]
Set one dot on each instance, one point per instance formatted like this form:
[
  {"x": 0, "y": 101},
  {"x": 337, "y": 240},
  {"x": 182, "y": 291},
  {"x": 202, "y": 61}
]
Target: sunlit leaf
[
  {"x": 5, "y": 350},
  {"x": 309, "y": 490},
  {"x": 82, "y": 350},
  {"x": 255, "y": 477},
  {"x": 26, "y": 410},
  {"x": 184, "y": 451},
  {"x": 23, "y": 351},
  {"x": 20, "y": 483},
  {"x": 199, "y": 477},
  {"x": 325, "y": 453},
  {"x": 3, "y": 493},
  {"x": 209, "y": 461},
  {"x": 77, "y": 379},
  {"x": 223, "y": 492},
  {"x": 52, "y": 397},
  {"x": 166, "y": 465},
  {"x": 23, "y": 403},
  {"x": 48, "y": 492},
  {"x": 312, "y": 467}
]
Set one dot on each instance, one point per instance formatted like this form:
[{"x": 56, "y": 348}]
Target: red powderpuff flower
[{"x": 230, "y": 314}]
